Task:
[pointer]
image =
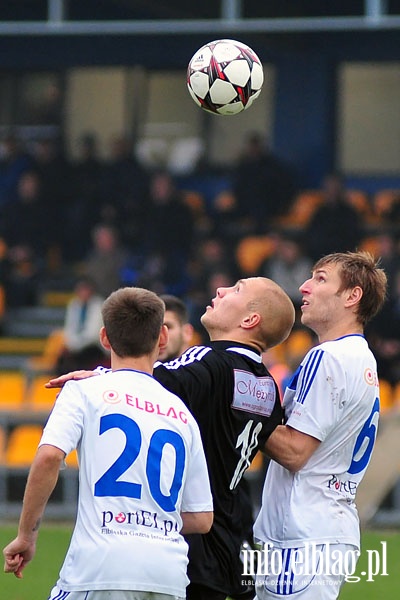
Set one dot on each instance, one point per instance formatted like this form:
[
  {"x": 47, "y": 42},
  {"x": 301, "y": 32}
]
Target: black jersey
[{"x": 236, "y": 404}]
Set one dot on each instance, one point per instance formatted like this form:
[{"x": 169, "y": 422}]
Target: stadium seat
[
  {"x": 370, "y": 244},
  {"x": 46, "y": 362},
  {"x": 71, "y": 460},
  {"x": 3, "y": 437},
  {"x": 297, "y": 345},
  {"x": 360, "y": 201},
  {"x": 386, "y": 396},
  {"x": 12, "y": 390},
  {"x": 251, "y": 252},
  {"x": 256, "y": 464},
  {"x": 383, "y": 201},
  {"x": 302, "y": 209},
  {"x": 396, "y": 396},
  {"x": 39, "y": 398},
  {"x": 22, "y": 445}
]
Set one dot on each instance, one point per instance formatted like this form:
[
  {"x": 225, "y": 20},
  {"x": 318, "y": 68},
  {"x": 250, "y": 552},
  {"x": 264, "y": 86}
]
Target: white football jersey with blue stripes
[{"x": 334, "y": 397}]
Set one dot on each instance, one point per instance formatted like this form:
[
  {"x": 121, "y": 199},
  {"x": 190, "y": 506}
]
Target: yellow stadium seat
[
  {"x": 46, "y": 362},
  {"x": 256, "y": 464},
  {"x": 12, "y": 390},
  {"x": 38, "y": 397},
  {"x": 386, "y": 396},
  {"x": 22, "y": 445},
  {"x": 3, "y": 437},
  {"x": 302, "y": 209},
  {"x": 72, "y": 459},
  {"x": 384, "y": 200},
  {"x": 251, "y": 252},
  {"x": 297, "y": 345}
]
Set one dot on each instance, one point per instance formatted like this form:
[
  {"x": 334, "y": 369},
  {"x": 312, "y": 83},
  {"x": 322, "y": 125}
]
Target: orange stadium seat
[
  {"x": 256, "y": 464},
  {"x": 386, "y": 396},
  {"x": 3, "y": 438},
  {"x": 22, "y": 445},
  {"x": 72, "y": 459},
  {"x": 383, "y": 202},
  {"x": 370, "y": 244},
  {"x": 12, "y": 390},
  {"x": 360, "y": 201},
  {"x": 46, "y": 362},
  {"x": 302, "y": 209},
  {"x": 38, "y": 397},
  {"x": 251, "y": 252}
]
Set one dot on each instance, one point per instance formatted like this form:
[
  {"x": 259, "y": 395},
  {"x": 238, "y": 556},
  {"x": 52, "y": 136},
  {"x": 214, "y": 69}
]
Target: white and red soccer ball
[{"x": 225, "y": 77}]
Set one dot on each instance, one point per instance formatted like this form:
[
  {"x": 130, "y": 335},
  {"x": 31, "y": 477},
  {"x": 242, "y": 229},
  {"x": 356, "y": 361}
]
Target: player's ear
[
  {"x": 188, "y": 331},
  {"x": 104, "y": 339},
  {"x": 251, "y": 320},
  {"x": 163, "y": 339},
  {"x": 354, "y": 295}
]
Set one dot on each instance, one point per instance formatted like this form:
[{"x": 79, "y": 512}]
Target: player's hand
[
  {"x": 59, "y": 381},
  {"x": 17, "y": 555}
]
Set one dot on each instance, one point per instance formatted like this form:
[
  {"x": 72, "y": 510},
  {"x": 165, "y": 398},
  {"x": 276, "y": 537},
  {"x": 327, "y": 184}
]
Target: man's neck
[
  {"x": 139, "y": 363},
  {"x": 339, "y": 331}
]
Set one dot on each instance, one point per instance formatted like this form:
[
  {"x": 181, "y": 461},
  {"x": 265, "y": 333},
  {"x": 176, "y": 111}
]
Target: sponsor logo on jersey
[
  {"x": 112, "y": 397},
  {"x": 371, "y": 377},
  {"x": 129, "y": 523},
  {"x": 253, "y": 394},
  {"x": 347, "y": 487}
]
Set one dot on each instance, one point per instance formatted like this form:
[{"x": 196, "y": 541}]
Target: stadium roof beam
[{"x": 199, "y": 26}]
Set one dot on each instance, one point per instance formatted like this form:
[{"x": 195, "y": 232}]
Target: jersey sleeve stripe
[
  {"x": 310, "y": 369},
  {"x": 188, "y": 357}
]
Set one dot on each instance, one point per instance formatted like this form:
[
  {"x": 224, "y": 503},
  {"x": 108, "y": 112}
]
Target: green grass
[{"x": 42, "y": 573}]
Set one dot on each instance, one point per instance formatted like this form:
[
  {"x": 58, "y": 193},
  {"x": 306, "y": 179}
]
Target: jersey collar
[{"x": 242, "y": 349}]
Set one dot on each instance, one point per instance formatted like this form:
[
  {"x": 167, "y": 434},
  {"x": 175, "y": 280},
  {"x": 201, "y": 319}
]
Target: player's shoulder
[
  {"x": 347, "y": 345},
  {"x": 192, "y": 355},
  {"x": 341, "y": 351}
]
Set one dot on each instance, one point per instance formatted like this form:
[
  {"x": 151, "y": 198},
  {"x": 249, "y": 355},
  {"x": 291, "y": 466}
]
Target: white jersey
[
  {"x": 141, "y": 463},
  {"x": 334, "y": 397}
]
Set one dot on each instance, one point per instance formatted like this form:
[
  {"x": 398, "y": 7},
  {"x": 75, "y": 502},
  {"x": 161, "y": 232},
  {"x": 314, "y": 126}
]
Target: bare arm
[
  {"x": 59, "y": 381},
  {"x": 196, "y": 522},
  {"x": 42, "y": 479},
  {"x": 290, "y": 448}
]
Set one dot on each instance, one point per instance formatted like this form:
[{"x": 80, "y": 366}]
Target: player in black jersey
[{"x": 236, "y": 404}]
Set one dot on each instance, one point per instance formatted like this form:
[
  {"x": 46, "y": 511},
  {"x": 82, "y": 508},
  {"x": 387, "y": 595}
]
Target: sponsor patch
[{"x": 253, "y": 394}]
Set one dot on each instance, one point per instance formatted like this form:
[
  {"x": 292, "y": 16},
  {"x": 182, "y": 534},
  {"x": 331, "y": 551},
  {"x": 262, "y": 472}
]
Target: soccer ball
[{"x": 225, "y": 77}]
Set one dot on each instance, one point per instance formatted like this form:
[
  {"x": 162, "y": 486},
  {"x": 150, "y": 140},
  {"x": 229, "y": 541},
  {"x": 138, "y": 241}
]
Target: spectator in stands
[
  {"x": 288, "y": 266},
  {"x": 14, "y": 161},
  {"x": 88, "y": 178},
  {"x": 383, "y": 334},
  {"x": 55, "y": 175},
  {"x": 106, "y": 259},
  {"x": 335, "y": 226},
  {"x": 263, "y": 184},
  {"x": 82, "y": 324},
  {"x": 127, "y": 191},
  {"x": 169, "y": 229},
  {"x": 25, "y": 221},
  {"x": 388, "y": 250}
]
